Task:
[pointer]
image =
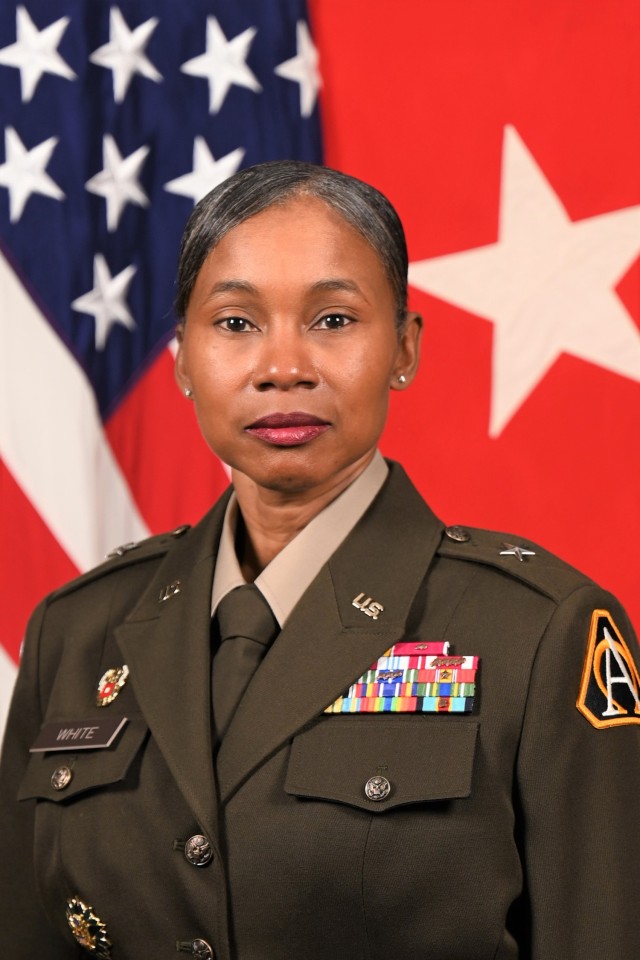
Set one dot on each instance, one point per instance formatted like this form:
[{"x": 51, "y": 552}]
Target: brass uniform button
[
  {"x": 377, "y": 788},
  {"x": 201, "y": 950},
  {"x": 61, "y": 778},
  {"x": 458, "y": 533},
  {"x": 198, "y": 851}
]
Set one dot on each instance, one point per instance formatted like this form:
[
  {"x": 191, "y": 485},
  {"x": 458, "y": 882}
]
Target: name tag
[{"x": 79, "y": 734}]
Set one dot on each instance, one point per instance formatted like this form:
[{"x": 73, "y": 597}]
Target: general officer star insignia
[{"x": 516, "y": 550}]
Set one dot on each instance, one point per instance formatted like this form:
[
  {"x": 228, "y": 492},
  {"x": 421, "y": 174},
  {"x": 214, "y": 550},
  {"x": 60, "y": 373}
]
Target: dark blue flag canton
[{"x": 116, "y": 119}]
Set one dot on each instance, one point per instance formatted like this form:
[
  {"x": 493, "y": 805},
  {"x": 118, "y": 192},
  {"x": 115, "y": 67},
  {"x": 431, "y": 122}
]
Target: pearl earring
[
  {"x": 188, "y": 392},
  {"x": 402, "y": 378}
]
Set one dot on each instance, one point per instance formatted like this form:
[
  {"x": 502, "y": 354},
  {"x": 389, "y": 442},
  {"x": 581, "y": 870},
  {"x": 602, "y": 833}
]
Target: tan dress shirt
[{"x": 286, "y": 578}]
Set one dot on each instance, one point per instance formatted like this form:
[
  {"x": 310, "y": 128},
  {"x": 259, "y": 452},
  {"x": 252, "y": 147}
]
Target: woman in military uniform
[{"x": 320, "y": 723}]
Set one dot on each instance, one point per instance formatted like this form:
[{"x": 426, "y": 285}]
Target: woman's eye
[
  {"x": 333, "y": 321},
  {"x": 235, "y": 324}
]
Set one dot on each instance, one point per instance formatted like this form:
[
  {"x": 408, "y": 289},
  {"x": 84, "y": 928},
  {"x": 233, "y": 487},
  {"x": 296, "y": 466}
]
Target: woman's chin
[{"x": 289, "y": 471}]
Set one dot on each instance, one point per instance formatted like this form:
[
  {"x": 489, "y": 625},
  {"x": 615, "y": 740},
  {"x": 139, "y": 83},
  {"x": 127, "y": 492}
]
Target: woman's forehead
[
  {"x": 289, "y": 211},
  {"x": 303, "y": 245},
  {"x": 302, "y": 232}
]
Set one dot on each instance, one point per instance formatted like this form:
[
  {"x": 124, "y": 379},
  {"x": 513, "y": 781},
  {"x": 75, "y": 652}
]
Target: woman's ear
[
  {"x": 179, "y": 369},
  {"x": 408, "y": 358}
]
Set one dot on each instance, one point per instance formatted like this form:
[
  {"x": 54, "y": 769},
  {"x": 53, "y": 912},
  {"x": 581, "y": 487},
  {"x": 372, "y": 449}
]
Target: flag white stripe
[
  {"x": 52, "y": 438},
  {"x": 7, "y": 679}
]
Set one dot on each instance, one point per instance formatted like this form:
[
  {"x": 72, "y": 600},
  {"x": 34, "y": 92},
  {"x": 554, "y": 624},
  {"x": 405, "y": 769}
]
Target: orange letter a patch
[{"x": 610, "y": 687}]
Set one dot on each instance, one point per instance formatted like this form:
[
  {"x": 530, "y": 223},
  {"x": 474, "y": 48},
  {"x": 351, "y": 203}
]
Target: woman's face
[{"x": 290, "y": 347}]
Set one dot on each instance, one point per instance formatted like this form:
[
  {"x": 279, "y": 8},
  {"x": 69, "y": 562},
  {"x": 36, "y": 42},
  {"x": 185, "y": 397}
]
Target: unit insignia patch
[{"x": 610, "y": 688}]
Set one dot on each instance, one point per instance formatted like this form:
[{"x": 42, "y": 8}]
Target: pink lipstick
[{"x": 288, "y": 429}]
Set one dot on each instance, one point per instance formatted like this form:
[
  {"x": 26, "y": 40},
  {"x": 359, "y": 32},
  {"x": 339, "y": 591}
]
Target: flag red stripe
[
  {"x": 172, "y": 474},
  {"x": 40, "y": 563}
]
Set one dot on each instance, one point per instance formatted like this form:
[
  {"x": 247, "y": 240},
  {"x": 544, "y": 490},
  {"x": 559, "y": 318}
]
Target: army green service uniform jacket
[{"x": 508, "y": 832}]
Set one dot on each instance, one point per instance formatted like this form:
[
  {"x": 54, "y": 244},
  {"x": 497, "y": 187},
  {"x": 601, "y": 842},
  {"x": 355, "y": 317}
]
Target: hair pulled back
[{"x": 254, "y": 189}]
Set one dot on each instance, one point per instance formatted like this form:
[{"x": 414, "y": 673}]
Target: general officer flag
[{"x": 508, "y": 135}]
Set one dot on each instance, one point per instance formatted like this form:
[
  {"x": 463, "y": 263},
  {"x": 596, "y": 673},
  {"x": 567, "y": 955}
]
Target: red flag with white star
[{"x": 507, "y": 136}]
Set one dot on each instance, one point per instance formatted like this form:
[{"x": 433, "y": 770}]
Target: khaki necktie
[{"x": 243, "y": 627}]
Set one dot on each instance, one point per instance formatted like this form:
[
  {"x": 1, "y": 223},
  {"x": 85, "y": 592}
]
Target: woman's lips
[{"x": 288, "y": 429}]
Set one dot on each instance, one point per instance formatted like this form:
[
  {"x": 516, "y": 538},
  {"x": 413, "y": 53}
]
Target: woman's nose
[{"x": 284, "y": 362}]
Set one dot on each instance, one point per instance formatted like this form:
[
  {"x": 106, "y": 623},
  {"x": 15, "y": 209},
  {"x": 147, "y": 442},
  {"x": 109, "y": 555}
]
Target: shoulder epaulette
[
  {"x": 123, "y": 556},
  {"x": 522, "y": 559}
]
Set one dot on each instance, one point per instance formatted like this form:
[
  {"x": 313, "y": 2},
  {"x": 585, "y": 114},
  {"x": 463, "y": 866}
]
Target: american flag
[
  {"x": 116, "y": 119},
  {"x": 506, "y": 135}
]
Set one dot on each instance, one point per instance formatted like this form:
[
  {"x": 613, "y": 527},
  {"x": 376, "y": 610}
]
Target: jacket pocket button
[
  {"x": 61, "y": 778},
  {"x": 201, "y": 950},
  {"x": 377, "y": 788},
  {"x": 198, "y": 851}
]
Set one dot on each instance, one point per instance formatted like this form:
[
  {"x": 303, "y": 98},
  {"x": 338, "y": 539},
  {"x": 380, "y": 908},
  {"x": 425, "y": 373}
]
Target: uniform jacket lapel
[
  {"x": 167, "y": 648},
  {"x": 327, "y": 643}
]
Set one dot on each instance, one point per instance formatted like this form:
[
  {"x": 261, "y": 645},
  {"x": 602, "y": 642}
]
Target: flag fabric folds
[
  {"x": 507, "y": 136},
  {"x": 116, "y": 119}
]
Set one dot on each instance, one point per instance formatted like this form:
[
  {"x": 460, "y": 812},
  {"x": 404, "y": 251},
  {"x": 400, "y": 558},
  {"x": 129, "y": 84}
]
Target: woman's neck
[{"x": 270, "y": 519}]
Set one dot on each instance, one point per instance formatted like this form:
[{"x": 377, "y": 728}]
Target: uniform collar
[{"x": 287, "y": 577}]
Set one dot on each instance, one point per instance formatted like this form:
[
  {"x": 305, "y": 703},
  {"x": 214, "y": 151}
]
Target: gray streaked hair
[{"x": 254, "y": 189}]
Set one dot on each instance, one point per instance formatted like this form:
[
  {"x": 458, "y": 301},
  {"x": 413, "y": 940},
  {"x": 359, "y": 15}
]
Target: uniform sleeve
[
  {"x": 578, "y": 780},
  {"x": 25, "y": 929}
]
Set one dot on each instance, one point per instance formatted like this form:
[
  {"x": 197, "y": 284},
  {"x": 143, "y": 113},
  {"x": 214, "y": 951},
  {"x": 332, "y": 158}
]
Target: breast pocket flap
[
  {"x": 379, "y": 763},
  {"x": 60, "y": 776}
]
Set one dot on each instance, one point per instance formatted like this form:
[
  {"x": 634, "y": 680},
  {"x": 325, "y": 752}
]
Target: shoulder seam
[
  {"x": 149, "y": 549},
  {"x": 542, "y": 571}
]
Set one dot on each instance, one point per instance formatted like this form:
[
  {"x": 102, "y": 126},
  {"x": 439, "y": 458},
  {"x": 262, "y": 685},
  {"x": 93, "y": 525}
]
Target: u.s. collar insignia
[
  {"x": 110, "y": 685},
  {"x": 88, "y": 929},
  {"x": 610, "y": 688},
  {"x": 367, "y": 605}
]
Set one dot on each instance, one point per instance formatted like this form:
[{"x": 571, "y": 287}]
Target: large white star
[
  {"x": 35, "y": 52},
  {"x": 224, "y": 63},
  {"x": 303, "y": 69},
  {"x": 106, "y": 302},
  {"x": 118, "y": 181},
  {"x": 23, "y": 172},
  {"x": 547, "y": 284},
  {"x": 207, "y": 172},
  {"x": 124, "y": 54}
]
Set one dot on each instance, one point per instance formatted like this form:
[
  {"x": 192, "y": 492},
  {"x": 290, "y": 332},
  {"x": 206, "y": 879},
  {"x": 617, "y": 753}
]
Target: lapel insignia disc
[
  {"x": 610, "y": 688},
  {"x": 417, "y": 677},
  {"x": 110, "y": 685},
  {"x": 88, "y": 929}
]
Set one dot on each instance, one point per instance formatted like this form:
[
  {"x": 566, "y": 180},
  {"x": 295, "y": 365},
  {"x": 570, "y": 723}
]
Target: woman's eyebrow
[
  {"x": 326, "y": 284},
  {"x": 336, "y": 283},
  {"x": 232, "y": 286}
]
